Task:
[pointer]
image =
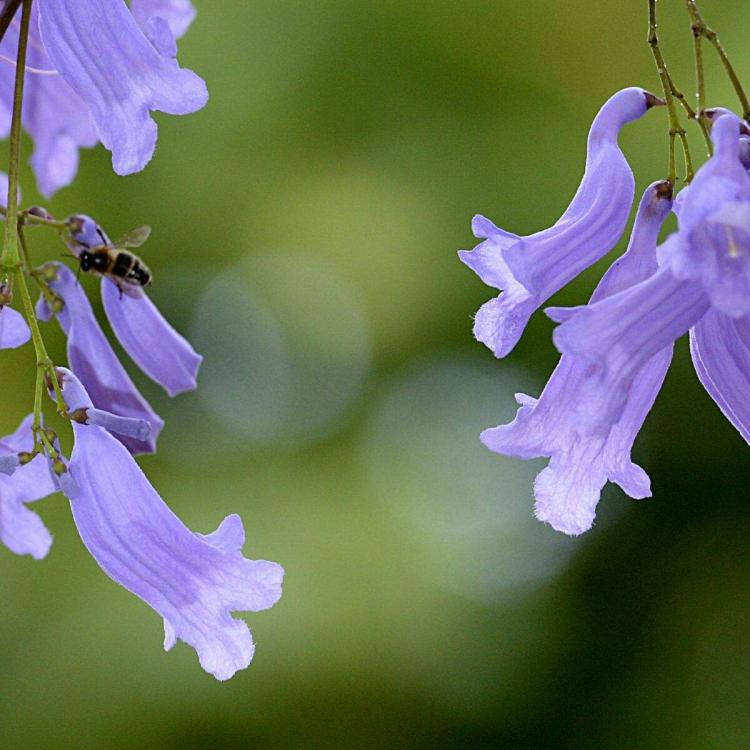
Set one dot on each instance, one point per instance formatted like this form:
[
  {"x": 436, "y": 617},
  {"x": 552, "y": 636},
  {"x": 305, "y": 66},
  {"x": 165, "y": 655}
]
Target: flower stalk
[
  {"x": 701, "y": 30},
  {"x": 670, "y": 95}
]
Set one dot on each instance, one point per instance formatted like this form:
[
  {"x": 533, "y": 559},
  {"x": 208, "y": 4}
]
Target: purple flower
[
  {"x": 531, "y": 269},
  {"x": 96, "y": 70},
  {"x": 21, "y": 530},
  {"x": 574, "y": 427},
  {"x": 95, "y": 363},
  {"x": 193, "y": 581},
  {"x": 160, "y": 351}
]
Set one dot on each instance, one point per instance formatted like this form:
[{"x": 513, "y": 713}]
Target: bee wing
[{"x": 134, "y": 238}]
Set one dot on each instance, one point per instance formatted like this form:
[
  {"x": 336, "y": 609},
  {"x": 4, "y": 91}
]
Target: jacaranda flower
[
  {"x": 531, "y": 269},
  {"x": 566, "y": 424},
  {"x": 95, "y": 71},
  {"x": 160, "y": 351},
  {"x": 193, "y": 581},
  {"x": 94, "y": 361}
]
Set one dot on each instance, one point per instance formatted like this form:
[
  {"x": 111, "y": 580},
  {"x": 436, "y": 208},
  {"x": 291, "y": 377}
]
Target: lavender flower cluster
[
  {"x": 95, "y": 69},
  {"x": 615, "y": 351}
]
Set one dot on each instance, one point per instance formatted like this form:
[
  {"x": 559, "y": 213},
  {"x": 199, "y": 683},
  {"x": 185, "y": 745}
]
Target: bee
[{"x": 97, "y": 254}]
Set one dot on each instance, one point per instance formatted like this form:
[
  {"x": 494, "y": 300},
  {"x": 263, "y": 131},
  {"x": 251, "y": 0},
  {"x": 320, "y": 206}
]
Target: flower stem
[
  {"x": 43, "y": 362},
  {"x": 675, "y": 129},
  {"x": 701, "y": 30},
  {"x": 10, "y": 259},
  {"x": 37, "y": 423}
]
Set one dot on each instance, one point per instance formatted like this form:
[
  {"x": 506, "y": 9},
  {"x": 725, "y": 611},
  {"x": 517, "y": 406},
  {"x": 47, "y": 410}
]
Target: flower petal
[
  {"x": 95, "y": 363},
  {"x": 720, "y": 347},
  {"x": 21, "y": 530},
  {"x": 194, "y": 582},
  {"x": 13, "y": 329},
  {"x": 162, "y": 353},
  {"x": 98, "y": 48},
  {"x": 531, "y": 269}
]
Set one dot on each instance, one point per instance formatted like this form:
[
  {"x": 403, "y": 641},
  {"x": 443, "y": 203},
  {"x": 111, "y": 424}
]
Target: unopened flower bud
[
  {"x": 25, "y": 457},
  {"x": 78, "y": 415},
  {"x": 49, "y": 272},
  {"x": 41, "y": 213}
]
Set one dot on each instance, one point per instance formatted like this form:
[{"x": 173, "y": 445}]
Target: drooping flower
[
  {"x": 21, "y": 530},
  {"x": 193, "y": 581},
  {"x": 95, "y": 71},
  {"x": 94, "y": 361},
  {"x": 585, "y": 445},
  {"x": 150, "y": 341},
  {"x": 531, "y": 269}
]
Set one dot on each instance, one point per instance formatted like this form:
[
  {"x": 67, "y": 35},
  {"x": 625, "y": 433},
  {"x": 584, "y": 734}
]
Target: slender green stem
[
  {"x": 689, "y": 172},
  {"x": 675, "y": 129},
  {"x": 38, "y": 390},
  {"x": 27, "y": 218},
  {"x": 691, "y": 114},
  {"x": 702, "y": 30},
  {"x": 700, "y": 80},
  {"x": 10, "y": 259},
  {"x": 42, "y": 358},
  {"x": 25, "y": 251}
]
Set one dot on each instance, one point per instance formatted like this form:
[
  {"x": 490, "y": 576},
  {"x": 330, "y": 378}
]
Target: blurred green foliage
[{"x": 357, "y": 139}]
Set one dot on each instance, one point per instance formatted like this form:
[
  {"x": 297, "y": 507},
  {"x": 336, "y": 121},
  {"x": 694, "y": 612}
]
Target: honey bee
[{"x": 97, "y": 254}]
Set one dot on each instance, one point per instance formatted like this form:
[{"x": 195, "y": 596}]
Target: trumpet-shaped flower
[
  {"x": 193, "y": 581},
  {"x": 531, "y": 269},
  {"x": 150, "y": 341},
  {"x": 95, "y": 363}
]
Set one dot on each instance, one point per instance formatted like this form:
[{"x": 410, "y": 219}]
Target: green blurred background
[{"x": 306, "y": 225}]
